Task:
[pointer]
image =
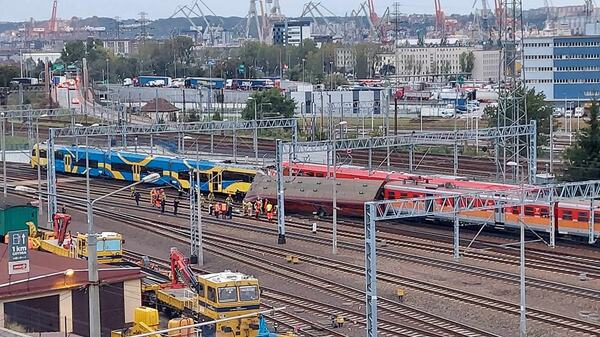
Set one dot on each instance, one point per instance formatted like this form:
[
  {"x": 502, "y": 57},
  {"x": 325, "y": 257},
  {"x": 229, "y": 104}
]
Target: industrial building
[{"x": 563, "y": 67}]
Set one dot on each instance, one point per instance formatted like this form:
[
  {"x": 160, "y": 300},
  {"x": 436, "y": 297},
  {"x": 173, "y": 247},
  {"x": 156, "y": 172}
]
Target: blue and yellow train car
[{"x": 129, "y": 166}]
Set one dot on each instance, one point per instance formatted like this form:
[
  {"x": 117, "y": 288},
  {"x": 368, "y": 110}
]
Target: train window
[
  {"x": 212, "y": 294},
  {"x": 228, "y": 294},
  {"x": 403, "y": 195},
  {"x": 567, "y": 215},
  {"x": 121, "y": 167},
  {"x": 58, "y": 155},
  {"x": 596, "y": 217},
  {"x": 236, "y": 176},
  {"x": 248, "y": 293},
  {"x": 515, "y": 210},
  {"x": 43, "y": 153},
  {"x": 81, "y": 162},
  {"x": 582, "y": 216},
  {"x": 184, "y": 175},
  {"x": 544, "y": 212},
  {"x": 392, "y": 195},
  {"x": 529, "y": 211}
]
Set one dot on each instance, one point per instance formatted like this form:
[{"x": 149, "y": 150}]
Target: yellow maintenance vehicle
[
  {"x": 61, "y": 242},
  {"x": 210, "y": 297}
]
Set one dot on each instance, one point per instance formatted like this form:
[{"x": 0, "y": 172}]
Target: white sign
[{"x": 18, "y": 267}]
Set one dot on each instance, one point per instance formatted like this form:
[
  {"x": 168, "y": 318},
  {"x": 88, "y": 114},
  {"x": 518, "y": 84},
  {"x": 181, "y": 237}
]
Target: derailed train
[{"x": 307, "y": 192}]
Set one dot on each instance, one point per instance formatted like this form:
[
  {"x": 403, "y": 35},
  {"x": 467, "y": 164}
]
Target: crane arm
[{"x": 182, "y": 272}]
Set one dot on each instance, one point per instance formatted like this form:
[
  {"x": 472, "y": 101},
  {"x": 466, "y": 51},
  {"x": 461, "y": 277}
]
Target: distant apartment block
[
  {"x": 345, "y": 59},
  {"x": 291, "y": 33},
  {"x": 487, "y": 65},
  {"x": 121, "y": 46},
  {"x": 563, "y": 67},
  {"x": 421, "y": 63}
]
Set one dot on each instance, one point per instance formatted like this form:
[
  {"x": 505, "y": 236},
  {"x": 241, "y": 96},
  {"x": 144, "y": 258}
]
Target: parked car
[
  {"x": 579, "y": 112},
  {"x": 557, "y": 112},
  {"x": 569, "y": 113},
  {"x": 447, "y": 113}
]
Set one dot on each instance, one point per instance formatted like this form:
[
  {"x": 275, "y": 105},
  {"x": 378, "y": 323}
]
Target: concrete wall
[{"x": 133, "y": 298}]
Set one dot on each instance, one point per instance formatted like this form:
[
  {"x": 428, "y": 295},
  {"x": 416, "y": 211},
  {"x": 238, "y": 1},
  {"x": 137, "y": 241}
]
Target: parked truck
[{"x": 153, "y": 81}]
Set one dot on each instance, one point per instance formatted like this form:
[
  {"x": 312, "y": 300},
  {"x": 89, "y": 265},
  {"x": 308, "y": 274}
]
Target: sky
[{"x": 22, "y": 10}]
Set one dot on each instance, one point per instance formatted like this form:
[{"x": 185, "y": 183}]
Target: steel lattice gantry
[
  {"x": 151, "y": 129},
  {"x": 453, "y": 204},
  {"x": 495, "y": 135}
]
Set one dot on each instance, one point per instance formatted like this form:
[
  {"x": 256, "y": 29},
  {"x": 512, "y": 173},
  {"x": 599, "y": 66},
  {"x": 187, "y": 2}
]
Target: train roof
[
  {"x": 363, "y": 173},
  {"x": 227, "y": 276},
  {"x": 316, "y": 189}
]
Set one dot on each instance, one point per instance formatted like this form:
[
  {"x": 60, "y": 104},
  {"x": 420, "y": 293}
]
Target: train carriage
[{"x": 129, "y": 166}]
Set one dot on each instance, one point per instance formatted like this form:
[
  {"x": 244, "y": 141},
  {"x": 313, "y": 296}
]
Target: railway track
[
  {"x": 282, "y": 318},
  {"x": 561, "y": 321},
  {"x": 355, "y": 295},
  {"x": 569, "y": 265},
  {"x": 440, "y": 327}
]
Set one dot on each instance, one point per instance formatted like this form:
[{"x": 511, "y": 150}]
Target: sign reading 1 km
[{"x": 18, "y": 258}]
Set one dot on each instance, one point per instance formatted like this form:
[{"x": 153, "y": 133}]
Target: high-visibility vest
[{"x": 269, "y": 207}]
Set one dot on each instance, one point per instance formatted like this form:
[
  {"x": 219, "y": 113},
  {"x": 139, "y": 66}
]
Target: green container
[{"x": 15, "y": 214}]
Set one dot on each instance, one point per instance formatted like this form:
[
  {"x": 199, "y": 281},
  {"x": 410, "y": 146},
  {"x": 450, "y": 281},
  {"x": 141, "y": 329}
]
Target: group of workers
[
  {"x": 220, "y": 209},
  {"x": 259, "y": 207},
  {"x": 158, "y": 198}
]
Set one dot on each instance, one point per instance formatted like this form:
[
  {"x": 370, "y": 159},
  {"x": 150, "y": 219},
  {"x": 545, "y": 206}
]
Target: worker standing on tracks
[
  {"x": 163, "y": 201},
  {"x": 269, "y": 210},
  {"x": 132, "y": 191},
  {"x": 153, "y": 196},
  {"x": 137, "y": 197},
  {"x": 257, "y": 206},
  {"x": 211, "y": 197},
  {"x": 229, "y": 203},
  {"x": 175, "y": 206}
]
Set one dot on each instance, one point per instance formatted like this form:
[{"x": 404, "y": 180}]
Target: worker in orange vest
[
  {"x": 257, "y": 207},
  {"x": 269, "y": 210}
]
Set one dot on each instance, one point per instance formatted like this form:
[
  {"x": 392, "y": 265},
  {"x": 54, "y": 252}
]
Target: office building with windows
[
  {"x": 291, "y": 33},
  {"x": 564, "y": 68}
]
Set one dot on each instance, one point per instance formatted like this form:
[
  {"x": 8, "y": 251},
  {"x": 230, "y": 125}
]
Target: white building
[
  {"x": 538, "y": 64},
  {"x": 487, "y": 65},
  {"x": 291, "y": 33},
  {"x": 345, "y": 59},
  {"x": 424, "y": 62}
]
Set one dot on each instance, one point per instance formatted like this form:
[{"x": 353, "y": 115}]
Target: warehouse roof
[
  {"x": 47, "y": 272},
  {"x": 163, "y": 106}
]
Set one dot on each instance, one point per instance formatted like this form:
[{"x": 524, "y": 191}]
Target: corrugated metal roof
[
  {"x": 47, "y": 273},
  {"x": 316, "y": 189}
]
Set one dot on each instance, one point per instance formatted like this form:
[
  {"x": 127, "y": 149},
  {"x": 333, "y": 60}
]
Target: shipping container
[{"x": 14, "y": 215}]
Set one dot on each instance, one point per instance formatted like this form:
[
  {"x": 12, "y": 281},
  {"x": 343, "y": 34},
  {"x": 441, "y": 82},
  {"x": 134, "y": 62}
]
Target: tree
[
  {"x": 467, "y": 62},
  {"x": 268, "y": 104},
  {"x": 537, "y": 109},
  {"x": 582, "y": 159},
  {"x": 7, "y": 73}
]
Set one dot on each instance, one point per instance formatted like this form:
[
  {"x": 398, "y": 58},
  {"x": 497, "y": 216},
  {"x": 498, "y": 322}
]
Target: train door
[
  {"x": 68, "y": 162},
  {"x": 499, "y": 213},
  {"x": 215, "y": 181},
  {"x": 136, "y": 170}
]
